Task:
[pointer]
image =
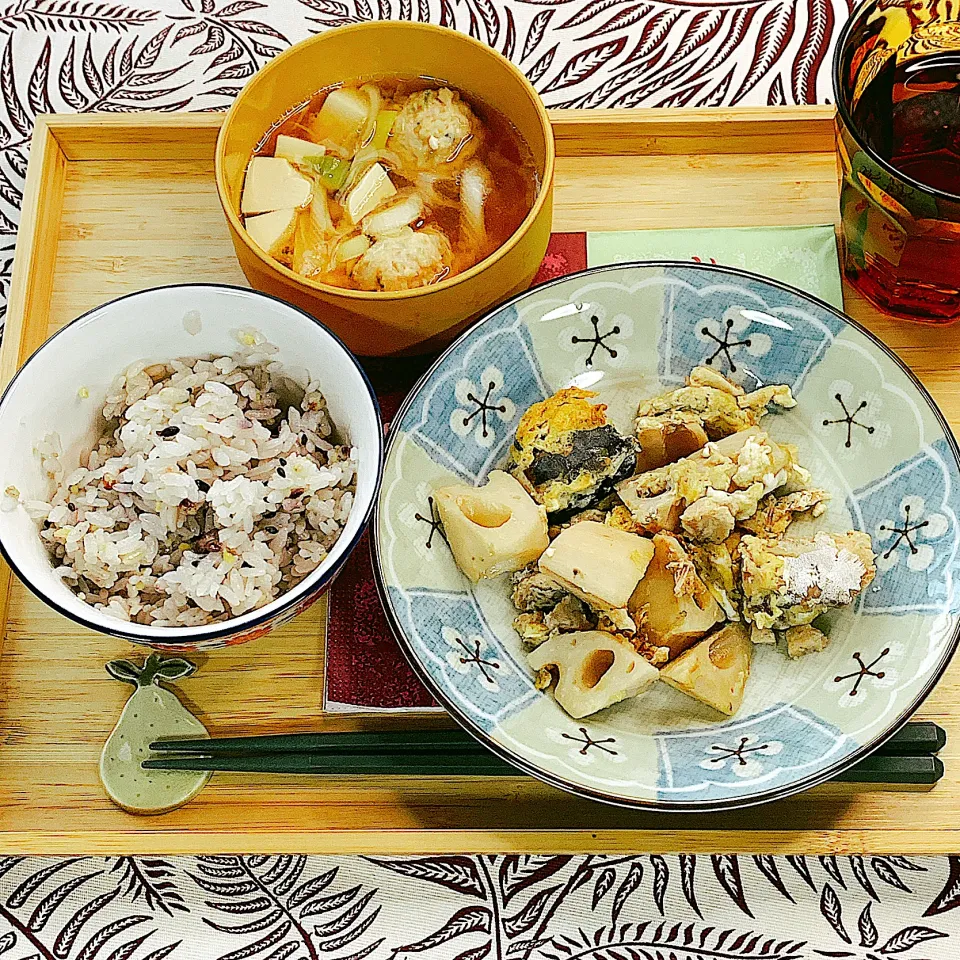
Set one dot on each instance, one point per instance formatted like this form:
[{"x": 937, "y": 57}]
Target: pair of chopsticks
[
  {"x": 422, "y": 753},
  {"x": 908, "y": 758}
]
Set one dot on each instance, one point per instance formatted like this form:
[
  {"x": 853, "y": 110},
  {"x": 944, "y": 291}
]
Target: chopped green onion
[
  {"x": 331, "y": 170},
  {"x": 385, "y": 121}
]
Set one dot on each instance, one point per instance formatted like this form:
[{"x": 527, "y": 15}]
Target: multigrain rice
[{"x": 215, "y": 487}]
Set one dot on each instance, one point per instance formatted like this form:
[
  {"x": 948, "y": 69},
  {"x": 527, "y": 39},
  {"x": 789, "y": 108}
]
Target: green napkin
[{"x": 804, "y": 257}]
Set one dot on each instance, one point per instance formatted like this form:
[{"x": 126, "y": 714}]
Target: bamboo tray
[{"x": 118, "y": 203}]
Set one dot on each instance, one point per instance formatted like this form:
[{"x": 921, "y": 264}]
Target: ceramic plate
[{"x": 865, "y": 428}]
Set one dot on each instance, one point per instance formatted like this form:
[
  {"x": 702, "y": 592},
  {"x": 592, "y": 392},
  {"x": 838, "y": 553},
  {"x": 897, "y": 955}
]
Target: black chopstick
[
  {"x": 901, "y": 770},
  {"x": 414, "y": 741},
  {"x": 386, "y": 765},
  {"x": 920, "y": 737},
  {"x": 917, "y": 737}
]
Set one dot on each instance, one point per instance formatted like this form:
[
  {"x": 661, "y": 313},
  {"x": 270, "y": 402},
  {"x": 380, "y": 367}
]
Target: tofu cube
[
  {"x": 716, "y": 670},
  {"x": 593, "y": 670},
  {"x": 272, "y": 183},
  {"x": 599, "y": 564},
  {"x": 493, "y": 529},
  {"x": 274, "y": 231},
  {"x": 296, "y": 150}
]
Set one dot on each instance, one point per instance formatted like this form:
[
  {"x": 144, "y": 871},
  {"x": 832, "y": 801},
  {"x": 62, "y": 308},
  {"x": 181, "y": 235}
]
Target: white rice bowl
[{"x": 236, "y": 452}]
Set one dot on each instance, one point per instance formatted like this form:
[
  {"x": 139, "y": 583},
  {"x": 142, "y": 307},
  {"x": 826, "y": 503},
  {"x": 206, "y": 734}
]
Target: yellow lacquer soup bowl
[{"x": 425, "y": 318}]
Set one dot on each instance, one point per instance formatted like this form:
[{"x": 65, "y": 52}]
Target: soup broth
[{"x": 388, "y": 185}]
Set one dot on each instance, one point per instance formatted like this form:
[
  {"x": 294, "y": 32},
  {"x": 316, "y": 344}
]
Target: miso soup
[{"x": 388, "y": 184}]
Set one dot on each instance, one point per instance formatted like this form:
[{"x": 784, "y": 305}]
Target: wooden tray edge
[
  {"x": 579, "y": 132},
  {"x": 31, "y": 284},
  {"x": 663, "y": 840}
]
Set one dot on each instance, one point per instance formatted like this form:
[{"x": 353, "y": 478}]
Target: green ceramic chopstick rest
[{"x": 151, "y": 713}]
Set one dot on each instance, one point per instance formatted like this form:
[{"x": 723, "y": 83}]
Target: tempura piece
[{"x": 566, "y": 452}]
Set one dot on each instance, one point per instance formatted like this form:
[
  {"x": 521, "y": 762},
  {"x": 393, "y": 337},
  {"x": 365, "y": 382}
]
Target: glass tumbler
[{"x": 897, "y": 87}]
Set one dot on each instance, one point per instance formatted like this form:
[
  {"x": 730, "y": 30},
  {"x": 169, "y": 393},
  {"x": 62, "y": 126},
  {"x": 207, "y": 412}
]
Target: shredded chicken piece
[
  {"x": 531, "y": 628},
  {"x": 805, "y": 639},
  {"x": 775, "y": 513},
  {"x": 533, "y": 590},
  {"x": 570, "y": 613}
]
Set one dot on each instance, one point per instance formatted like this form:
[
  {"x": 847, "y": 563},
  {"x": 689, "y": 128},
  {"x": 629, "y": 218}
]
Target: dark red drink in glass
[{"x": 897, "y": 86}]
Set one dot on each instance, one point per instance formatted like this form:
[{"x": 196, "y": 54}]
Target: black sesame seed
[
  {"x": 170, "y": 431},
  {"x": 204, "y": 486},
  {"x": 283, "y": 462},
  {"x": 281, "y": 472},
  {"x": 272, "y": 530},
  {"x": 303, "y": 439},
  {"x": 70, "y": 506}
]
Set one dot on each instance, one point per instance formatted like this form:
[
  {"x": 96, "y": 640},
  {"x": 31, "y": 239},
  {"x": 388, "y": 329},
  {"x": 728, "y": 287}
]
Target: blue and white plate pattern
[{"x": 864, "y": 426}]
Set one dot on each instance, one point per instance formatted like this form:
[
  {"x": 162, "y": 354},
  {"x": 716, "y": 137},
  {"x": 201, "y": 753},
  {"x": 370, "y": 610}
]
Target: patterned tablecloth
[
  {"x": 88, "y": 55},
  {"x": 472, "y": 908}
]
